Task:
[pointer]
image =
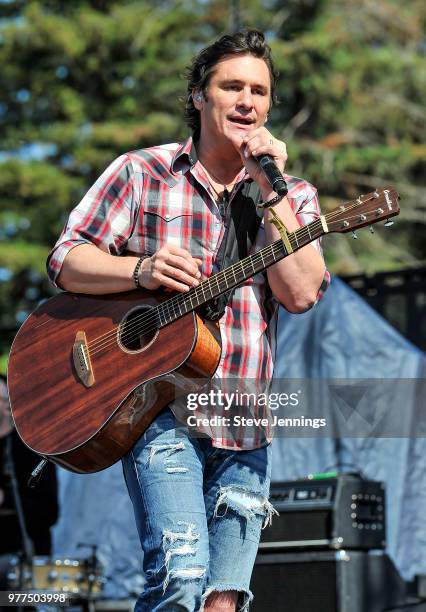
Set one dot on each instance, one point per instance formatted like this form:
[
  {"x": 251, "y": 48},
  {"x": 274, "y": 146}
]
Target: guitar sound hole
[{"x": 138, "y": 329}]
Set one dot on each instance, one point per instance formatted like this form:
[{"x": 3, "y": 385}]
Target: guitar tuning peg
[
  {"x": 371, "y": 229},
  {"x": 354, "y": 236},
  {"x": 388, "y": 223}
]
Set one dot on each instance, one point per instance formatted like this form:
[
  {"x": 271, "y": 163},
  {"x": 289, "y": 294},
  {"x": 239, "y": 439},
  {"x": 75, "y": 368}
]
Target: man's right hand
[{"x": 170, "y": 267}]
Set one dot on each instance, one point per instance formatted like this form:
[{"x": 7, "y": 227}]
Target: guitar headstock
[{"x": 376, "y": 206}]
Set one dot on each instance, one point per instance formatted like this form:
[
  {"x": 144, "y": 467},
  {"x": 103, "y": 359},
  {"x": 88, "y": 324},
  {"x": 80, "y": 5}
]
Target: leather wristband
[
  {"x": 270, "y": 202},
  {"x": 136, "y": 271}
]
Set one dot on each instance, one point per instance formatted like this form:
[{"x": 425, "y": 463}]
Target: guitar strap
[{"x": 240, "y": 234}]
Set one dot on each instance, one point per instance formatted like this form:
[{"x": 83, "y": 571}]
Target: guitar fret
[
  {"x": 236, "y": 274},
  {"x": 171, "y": 314},
  {"x": 159, "y": 311}
]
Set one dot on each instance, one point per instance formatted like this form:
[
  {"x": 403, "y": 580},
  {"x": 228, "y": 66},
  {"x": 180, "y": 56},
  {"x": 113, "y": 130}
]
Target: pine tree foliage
[{"x": 83, "y": 81}]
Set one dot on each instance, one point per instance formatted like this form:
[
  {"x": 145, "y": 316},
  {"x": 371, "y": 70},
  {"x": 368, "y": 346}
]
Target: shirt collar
[{"x": 186, "y": 157}]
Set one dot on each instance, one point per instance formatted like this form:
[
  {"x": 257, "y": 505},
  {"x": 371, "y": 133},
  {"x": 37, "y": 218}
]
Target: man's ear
[{"x": 198, "y": 99}]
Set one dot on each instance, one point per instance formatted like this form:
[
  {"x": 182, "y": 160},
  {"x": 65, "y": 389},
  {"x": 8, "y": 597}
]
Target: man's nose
[{"x": 245, "y": 99}]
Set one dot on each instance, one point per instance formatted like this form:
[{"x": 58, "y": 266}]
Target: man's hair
[{"x": 199, "y": 73}]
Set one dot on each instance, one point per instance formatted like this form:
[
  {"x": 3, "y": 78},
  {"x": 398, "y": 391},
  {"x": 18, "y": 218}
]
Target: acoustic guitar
[{"x": 88, "y": 374}]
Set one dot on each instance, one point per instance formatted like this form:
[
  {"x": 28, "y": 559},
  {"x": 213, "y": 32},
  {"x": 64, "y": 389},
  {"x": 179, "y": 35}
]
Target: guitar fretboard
[{"x": 234, "y": 275}]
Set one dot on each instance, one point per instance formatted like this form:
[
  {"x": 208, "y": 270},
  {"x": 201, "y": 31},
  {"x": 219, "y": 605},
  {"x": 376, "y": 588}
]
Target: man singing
[{"x": 158, "y": 217}]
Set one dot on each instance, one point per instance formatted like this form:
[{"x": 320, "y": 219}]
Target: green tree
[{"x": 83, "y": 81}]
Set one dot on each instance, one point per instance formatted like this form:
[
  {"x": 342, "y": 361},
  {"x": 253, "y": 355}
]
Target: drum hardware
[
  {"x": 93, "y": 568},
  {"x": 9, "y": 470},
  {"x": 18, "y": 573},
  {"x": 75, "y": 577}
]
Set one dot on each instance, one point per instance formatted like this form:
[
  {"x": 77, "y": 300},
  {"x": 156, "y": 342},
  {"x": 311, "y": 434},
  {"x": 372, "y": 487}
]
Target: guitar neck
[{"x": 235, "y": 275}]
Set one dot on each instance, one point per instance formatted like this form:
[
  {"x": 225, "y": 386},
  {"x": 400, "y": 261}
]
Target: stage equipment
[
  {"x": 78, "y": 577},
  {"x": 344, "y": 511},
  {"x": 326, "y": 581}
]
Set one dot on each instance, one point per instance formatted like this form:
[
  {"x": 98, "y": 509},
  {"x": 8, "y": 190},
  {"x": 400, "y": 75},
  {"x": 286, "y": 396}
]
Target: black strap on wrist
[
  {"x": 270, "y": 202},
  {"x": 136, "y": 271}
]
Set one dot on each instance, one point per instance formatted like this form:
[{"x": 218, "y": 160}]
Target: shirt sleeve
[
  {"x": 307, "y": 209},
  {"x": 105, "y": 216}
]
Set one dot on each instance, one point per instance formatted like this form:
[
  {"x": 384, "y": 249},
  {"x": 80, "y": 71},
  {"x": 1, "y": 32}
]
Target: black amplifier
[
  {"x": 342, "y": 511},
  {"x": 327, "y": 581}
]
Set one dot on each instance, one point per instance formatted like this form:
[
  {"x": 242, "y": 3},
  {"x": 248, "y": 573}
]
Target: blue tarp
[{"x": 341, "y": 338}]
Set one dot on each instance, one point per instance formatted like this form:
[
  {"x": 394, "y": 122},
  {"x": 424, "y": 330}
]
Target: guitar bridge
[{"x": 81, "y": 359}]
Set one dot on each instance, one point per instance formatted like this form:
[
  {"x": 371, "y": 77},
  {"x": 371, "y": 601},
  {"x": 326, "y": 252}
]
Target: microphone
[{"x": 274, "y": 176}]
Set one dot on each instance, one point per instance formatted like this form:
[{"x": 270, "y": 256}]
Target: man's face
[{"x": 238, "y": 99}]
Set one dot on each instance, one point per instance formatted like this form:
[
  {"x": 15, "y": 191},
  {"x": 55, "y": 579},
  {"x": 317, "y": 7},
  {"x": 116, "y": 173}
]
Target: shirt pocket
[{"x": 166, "y": 225}]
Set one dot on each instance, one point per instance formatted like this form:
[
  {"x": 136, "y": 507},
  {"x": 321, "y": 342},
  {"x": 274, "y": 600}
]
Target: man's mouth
[{"x": 241, "y": 120}]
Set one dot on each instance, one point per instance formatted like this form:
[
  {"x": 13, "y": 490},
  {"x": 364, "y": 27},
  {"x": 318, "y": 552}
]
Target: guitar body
[
  {"x": 88, "y": 374},
  {"x": 86, "y": 416}
]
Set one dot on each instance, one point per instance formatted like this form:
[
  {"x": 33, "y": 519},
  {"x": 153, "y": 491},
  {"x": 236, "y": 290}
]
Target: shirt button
[{"x": 167, "y": 217}]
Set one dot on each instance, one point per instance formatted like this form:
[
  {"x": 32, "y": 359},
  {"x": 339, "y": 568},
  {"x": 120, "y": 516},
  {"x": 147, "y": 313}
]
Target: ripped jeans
[{"x": 199, "y": 511}]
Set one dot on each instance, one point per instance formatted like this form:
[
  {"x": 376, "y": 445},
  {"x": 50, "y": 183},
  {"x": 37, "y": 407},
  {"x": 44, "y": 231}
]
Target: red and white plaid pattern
[{"x": 161, "y": 195}]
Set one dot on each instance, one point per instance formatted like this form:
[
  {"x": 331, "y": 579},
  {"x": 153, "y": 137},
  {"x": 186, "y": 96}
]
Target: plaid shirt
[{"x": 161, "y": 195}]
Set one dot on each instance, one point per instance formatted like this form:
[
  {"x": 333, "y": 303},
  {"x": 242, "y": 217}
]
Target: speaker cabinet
[
  {"x": 343, "y": 512},
  {"x": 326, "y": 581}
]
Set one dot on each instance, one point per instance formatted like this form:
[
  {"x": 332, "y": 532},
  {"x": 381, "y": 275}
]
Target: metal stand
[{"x": 27, "y": 545}]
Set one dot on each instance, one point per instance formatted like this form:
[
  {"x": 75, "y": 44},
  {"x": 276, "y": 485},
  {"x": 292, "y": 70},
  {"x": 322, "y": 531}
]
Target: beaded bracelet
[
  {"x": 271, "y": 202},
  {"x": 136, "y": 271}
]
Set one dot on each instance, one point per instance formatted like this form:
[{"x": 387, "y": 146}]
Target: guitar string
[
  {"x": 153, "y": 317},
  {"x": 202, "y": 289},
  {"x": 149, "y": 323},
  {"x": 183, "y": 299}
]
